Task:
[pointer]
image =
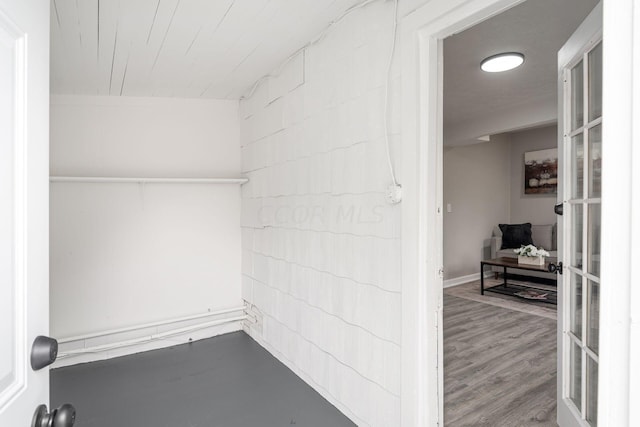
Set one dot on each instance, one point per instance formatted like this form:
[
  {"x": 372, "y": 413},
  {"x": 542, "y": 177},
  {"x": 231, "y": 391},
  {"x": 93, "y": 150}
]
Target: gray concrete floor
[{"x": 225, "y": 381}]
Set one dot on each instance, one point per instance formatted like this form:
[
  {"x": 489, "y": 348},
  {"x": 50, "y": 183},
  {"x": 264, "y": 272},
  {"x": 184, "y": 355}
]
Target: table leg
[
  {"x": 481, "y": 278},
  {"x": 504, "y": 276}
]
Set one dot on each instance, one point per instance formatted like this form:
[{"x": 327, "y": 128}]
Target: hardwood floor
[{"x": 499, "y": 366}]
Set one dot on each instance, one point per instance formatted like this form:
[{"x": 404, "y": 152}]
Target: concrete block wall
[{"x": 321, "y": 247}]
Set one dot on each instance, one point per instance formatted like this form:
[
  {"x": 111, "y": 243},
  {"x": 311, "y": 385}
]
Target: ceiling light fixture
[{"x": 502, "y": 62}]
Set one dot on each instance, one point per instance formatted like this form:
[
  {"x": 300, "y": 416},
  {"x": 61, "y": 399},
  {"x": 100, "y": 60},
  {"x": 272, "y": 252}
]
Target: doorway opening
[
  {"x": 500, "y": 181},
  {"x": 484, "y": 158}
]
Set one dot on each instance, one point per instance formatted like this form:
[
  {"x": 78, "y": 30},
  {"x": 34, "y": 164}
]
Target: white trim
[
  {"x": 119, "y": 342},
  {"x": 135, "y": 101},
  {"x": 11, "y": 33},
  {"x": 634, "y": 229},
  {"x": 152, "y": 324},
  {"x": 22, "y": 221},
  {"x": 141, "y": 180},
  {"x": 465, "y": 279},
  {"x": 620, "y": 196}
]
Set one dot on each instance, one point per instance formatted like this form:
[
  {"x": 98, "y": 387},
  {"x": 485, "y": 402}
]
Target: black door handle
[
  {"x": 555, "y": 268},
  {"x": 559, "y": 209}
]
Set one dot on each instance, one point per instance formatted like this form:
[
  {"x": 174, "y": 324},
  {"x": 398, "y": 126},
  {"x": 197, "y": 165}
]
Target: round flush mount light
[{"x": 502, "y": 62}]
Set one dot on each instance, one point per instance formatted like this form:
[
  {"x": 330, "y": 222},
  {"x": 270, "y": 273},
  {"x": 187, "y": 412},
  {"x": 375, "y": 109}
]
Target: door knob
[{"x": 64, "y": 416}]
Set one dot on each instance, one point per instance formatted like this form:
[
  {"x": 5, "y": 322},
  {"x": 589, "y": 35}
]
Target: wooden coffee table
[{"x": 511, "y": 289}]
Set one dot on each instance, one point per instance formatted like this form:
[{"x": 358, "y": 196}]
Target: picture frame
[{"x": 541, "y": 172}]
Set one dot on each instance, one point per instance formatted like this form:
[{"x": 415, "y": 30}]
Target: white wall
[
  {"x": 484, "y": 183},
  {"x": 128, "y": 136},
  {"x": 476, "y": 185},
  {"x": 127, "y": 254},
  {"x": 321, "y": 249},
  {"x": 536, "y": 209}
]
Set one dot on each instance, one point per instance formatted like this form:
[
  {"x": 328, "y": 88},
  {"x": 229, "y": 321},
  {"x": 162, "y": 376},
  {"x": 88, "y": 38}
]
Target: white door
[
  {"x": 24, "y": 205},
  {"x": 580, "y": 148}
]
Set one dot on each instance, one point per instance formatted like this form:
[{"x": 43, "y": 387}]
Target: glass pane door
[{"x": 583, "y": 163}]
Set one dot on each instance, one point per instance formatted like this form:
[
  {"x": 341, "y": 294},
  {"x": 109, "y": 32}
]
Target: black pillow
[{"x": 515, "y": 235}]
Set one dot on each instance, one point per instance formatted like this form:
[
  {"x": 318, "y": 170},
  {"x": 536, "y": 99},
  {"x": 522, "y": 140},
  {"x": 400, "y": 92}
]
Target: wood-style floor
[{"x": 499, "y": 366}]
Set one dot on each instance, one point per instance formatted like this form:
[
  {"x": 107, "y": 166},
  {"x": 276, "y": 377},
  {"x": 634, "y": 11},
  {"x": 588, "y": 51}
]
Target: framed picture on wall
[{"x": 541, "y": 171}]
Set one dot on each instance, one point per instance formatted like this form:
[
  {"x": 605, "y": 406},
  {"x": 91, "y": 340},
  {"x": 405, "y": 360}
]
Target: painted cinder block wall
[{"x": 321, "y": 247}]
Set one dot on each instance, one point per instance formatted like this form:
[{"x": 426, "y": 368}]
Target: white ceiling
[
  {"x": 536, "y": 28},
  {"x": 219, "y": 48},
  {"x": 178, "y": 48}
]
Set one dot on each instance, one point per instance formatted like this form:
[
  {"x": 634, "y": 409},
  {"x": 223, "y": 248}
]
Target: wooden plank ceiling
[{"x": 178, "y": 48}]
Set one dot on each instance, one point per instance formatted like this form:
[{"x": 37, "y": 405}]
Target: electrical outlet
[{"x": 394, "y": 194}]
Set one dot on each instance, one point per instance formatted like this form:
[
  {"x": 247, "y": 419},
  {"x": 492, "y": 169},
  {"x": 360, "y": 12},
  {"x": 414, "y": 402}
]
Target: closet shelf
[{"x": 106, "y": 180}]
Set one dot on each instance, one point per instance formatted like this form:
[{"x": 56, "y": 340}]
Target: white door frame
[
  {"x": 422, "y": 33},
  {"x": 619, "y": 379}
]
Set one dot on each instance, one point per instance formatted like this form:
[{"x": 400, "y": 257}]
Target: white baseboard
[
  {"x": 465, "y": 279},
  {"x": 137, "y": 339}
]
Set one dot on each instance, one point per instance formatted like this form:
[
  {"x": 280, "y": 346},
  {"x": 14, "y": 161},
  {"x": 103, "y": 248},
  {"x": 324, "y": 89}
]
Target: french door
[{"x": 580, "y": 142}]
